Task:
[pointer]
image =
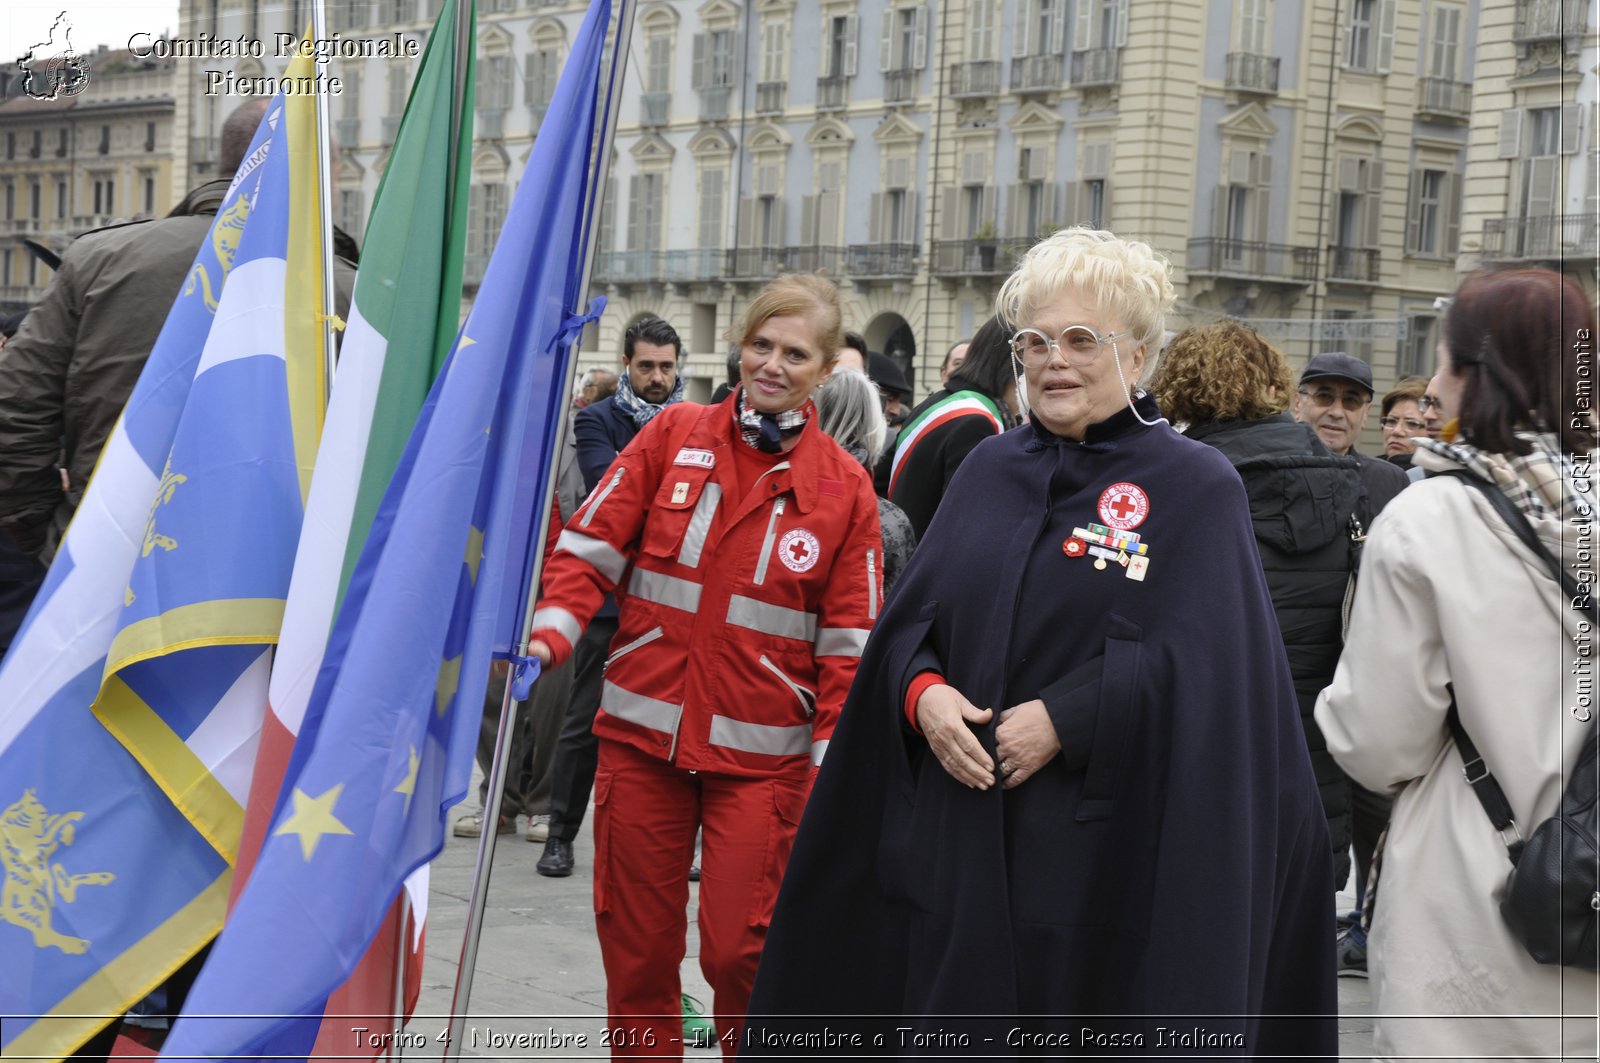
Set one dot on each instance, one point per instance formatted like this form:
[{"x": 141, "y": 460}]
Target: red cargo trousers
[{"x": 646, "y": 814}]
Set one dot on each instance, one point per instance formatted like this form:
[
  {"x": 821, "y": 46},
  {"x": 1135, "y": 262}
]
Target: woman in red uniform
[{"x": 743, "y": 546}]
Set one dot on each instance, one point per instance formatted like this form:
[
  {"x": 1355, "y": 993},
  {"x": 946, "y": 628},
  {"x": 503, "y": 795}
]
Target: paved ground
[{"x": 538, "y": 973}]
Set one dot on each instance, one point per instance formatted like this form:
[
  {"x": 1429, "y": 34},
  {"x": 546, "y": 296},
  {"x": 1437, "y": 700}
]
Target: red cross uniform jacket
[{"x": 742, "y": 616}]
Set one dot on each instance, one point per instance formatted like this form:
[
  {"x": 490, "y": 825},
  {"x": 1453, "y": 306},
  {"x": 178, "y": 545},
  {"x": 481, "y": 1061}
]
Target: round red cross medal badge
[
  {"x": 799, "y": 550},
  {"x": 1124, "y": 506}
]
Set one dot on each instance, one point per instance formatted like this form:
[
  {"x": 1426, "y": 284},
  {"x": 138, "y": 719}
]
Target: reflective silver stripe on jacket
[
  {"x": 772, "y": 619},
  {"x": 807, "y": 698},
  {"x": 636, "y": 708},
  {"x": 554, "y": 616},
  {"x": 665, "y": 590},
  {"x": 648, "y": 637},
  {"x": 766, "y": 544},
  {"x": 604, "y": 492},
  {"x": 841, "y": 641},
  {"x": 694, "y": 540},
  {"x": 872, "y": 585},
  {"x": 760, "y": 738},
  {"x": 818, "y": 751},
  {"x": 606, "y": 559}
]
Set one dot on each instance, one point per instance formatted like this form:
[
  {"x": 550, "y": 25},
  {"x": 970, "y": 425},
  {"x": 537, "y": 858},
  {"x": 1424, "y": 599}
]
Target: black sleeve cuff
[{"x": 1073, "y": 703}]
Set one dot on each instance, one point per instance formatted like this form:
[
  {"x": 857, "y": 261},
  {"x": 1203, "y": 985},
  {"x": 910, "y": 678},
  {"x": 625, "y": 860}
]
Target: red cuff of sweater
[{"x": 919, "y": 686}]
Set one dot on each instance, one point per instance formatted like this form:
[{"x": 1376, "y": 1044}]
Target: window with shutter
[
  {"x": 606, "y": 238},
  {"x": 1571, "y": 128},
  {"x": 774, "y": 50},
  {"x": 711, "y": 208},
  {"x": 1445, "y": 44},
  {"x": 852, "y": 43},
  {"x": 897, "y": 172},
  {"x": 700, "y": 68},
  {"x": 1252, "y": 27},
  {"x": 974, "y": 167},
  {"x": 1425, "y": 223},
  {"x": 828, "y": 218},
  {"x": 919, "y": 39},
  {"x": 658, "y": 68},
  {"x": 980, "y": 30},
  {"x": 399, "y": 83},
  {"x": 1359, "y": 29},
  {"x": 1083, "y": 26},
  {"x": 1384, "y": 59},
  {"x": 886, "y": 42}
]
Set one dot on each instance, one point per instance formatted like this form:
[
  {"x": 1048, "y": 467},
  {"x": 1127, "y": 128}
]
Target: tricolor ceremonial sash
[{"x": 947, "y": 409}]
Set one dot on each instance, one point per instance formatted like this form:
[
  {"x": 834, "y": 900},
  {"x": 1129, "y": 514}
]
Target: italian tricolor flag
[{"x": 403, "y": 320}]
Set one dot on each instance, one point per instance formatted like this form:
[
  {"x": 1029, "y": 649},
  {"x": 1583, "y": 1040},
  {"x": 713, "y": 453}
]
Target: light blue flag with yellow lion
[{"x": 131, "y": 700}]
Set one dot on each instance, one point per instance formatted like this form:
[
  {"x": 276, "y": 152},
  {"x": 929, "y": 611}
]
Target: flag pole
[
  {"x": 496, "y": 780},
  {"x": 319, "y": 32}
]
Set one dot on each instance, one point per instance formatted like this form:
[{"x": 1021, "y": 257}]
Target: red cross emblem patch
[
  {"x": 1124, "y": 506},
  {"x": 799, "y": 550}
]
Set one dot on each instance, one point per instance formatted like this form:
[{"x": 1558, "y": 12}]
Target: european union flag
[
  {"x": 122, "y": 820},
  {"x": 387, "y": 745}
]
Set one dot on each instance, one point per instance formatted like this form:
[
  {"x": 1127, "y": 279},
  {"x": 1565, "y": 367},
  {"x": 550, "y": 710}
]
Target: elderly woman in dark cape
[{"x": 1068, "y": 806}]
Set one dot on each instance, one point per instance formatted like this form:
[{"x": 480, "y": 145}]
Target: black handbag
[{"x": 1552, "y": 896}]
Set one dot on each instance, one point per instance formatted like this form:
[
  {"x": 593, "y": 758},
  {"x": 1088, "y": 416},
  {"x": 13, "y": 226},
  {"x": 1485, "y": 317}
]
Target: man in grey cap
[{"x": 1335, "y": 398}]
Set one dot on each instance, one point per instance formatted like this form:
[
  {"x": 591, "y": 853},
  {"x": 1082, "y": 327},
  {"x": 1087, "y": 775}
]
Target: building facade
[
  {"x": 80, "y": 162},
  {"x": 1324, "y": 169}
]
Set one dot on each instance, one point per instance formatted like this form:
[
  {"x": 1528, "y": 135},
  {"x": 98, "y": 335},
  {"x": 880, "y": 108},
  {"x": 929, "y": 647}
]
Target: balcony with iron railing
[
  {"x": 1096, "y": 66},
  {"x": 1548, "y": 20},
  {"x": 833, "y": 93},
  {"x": 771, "y": 96},
  {"x": 1036, "y": 73},
  {"x": 1443, "y": 98},
  {"x": 976, "y": 80},
  {"x": 654, "y": 109},
  {"x": 978, "y": 257},
  {"x": 1355, "y": 265},
  {"x": 1545, "y": 238},
  {"x": 899, "y": 86},
  {"x": 1223, "y": 257},
  {"x": 627, "y": 267},
  {"x": 1248, "y": 72},
  {"x": 714, "y": 101},
  {"x": 756, "y": 263},
  {"x": 881, "y": 260},
  {"x": 688, "y": 265},
  {"x": 815, "y": 259}
]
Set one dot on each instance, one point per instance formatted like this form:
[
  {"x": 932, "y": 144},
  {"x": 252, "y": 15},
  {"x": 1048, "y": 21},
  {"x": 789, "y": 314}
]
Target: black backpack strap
[
  {"x": 1483, "y": 783},
  {"x": 1524, "y": 531},
  {"x": 1476, "y": 771}
]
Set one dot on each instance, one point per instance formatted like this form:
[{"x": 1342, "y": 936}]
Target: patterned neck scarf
[
  {"x": 766, "y": 431},
  {"x": 1542, "y": 483},
  {"x": 640, "y": 410}
]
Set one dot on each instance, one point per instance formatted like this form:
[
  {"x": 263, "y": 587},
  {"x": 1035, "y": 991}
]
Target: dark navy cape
[{"x": 1164, "y": 878}]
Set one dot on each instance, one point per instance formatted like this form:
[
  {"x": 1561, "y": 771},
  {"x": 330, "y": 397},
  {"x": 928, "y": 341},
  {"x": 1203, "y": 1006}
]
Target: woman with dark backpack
[{"x": 1457, "y": 619}]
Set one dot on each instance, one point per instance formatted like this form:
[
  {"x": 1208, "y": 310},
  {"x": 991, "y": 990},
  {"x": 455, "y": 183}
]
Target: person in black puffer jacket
[{"x": 1231, "y": 389}]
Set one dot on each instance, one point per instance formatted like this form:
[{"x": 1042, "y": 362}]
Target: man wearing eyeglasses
[{"x": 1335, "y": 397}]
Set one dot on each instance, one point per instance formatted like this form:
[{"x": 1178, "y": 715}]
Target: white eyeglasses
[{"x": 1077, "y": 344}]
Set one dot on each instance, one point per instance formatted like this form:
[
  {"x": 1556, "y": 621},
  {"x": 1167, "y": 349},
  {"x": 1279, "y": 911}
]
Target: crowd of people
[{"x": 1111, "y": 653}]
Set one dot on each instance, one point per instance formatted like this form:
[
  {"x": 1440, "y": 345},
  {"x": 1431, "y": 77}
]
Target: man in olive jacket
[{"x": 66, "y": 376}]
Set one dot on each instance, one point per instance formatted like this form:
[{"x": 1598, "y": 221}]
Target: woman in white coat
[{"x": 1448, "y": 595}]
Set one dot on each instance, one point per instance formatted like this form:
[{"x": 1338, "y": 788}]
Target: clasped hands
[{"x": 1025, "y": 739}]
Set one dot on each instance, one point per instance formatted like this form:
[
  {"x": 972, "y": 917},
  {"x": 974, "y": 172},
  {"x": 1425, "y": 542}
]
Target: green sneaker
[{"x": 697, "y": 1029}]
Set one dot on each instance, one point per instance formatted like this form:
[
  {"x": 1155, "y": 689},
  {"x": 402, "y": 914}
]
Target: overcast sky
[{"x": 24, "y": 23}]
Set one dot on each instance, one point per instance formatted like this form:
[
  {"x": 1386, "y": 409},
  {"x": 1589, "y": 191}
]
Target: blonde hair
[
  {"x": 797, "y": 295},
  {"x": 1124, "y": 278},
  {"x": 1221, "y": 372}
]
